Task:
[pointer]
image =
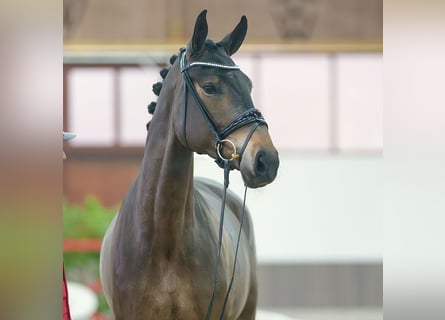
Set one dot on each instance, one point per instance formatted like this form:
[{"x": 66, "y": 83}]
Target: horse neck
[{"x": 165, "y": 186}]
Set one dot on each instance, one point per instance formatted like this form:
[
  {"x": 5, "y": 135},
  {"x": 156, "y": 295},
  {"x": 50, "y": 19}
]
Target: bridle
[{"x": 251, "y": 115}]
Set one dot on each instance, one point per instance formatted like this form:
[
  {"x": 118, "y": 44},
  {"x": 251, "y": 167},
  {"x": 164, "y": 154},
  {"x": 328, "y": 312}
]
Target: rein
[
  {"x": 251, "y": 115},
  {"x": 218, "y": 255}
]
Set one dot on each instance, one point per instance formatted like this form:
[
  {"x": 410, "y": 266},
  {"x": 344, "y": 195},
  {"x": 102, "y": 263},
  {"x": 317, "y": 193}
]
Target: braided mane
[{"x": 157, "y": 87}]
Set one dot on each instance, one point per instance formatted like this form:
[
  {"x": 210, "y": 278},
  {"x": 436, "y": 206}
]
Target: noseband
[{"x": 251, "y": 115}]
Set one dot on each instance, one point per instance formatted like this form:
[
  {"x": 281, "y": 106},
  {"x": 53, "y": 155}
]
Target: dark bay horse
[{"x": 158, "y": 256}]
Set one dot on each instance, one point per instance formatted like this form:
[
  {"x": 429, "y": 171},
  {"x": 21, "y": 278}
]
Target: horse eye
[{"x": 209, "y": 88}]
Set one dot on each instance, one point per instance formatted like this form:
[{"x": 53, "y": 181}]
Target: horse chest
[{"x": 172, "y": 295}]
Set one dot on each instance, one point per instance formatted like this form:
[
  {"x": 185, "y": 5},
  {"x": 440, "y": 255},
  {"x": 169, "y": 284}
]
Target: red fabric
[{"x": 66, "y": 307}]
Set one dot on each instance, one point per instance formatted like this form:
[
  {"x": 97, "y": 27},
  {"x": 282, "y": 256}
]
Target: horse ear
[
  {"x": 233, "y": 40},
  {"x": 199, "y": 34}
]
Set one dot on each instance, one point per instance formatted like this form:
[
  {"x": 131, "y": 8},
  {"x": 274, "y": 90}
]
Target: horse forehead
[{"x": 216, "y": 54}]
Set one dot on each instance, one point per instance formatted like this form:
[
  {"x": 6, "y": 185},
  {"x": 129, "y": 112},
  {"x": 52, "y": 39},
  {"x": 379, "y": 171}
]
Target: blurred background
[{"x": 316, "y": 68}]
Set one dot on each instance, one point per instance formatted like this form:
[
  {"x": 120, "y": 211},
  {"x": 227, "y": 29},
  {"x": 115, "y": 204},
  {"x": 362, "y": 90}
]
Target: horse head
[{"x": 215, "y": 114}]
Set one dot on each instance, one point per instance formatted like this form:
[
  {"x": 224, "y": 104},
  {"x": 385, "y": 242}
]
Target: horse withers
[{"x": 159, "y": 254}]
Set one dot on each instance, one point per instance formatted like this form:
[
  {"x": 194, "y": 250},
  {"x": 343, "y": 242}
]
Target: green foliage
[{"x": 87, "y": 221}]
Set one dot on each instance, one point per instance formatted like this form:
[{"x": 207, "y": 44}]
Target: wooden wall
[
  {"x": 106, "y": 174},
  {"x": 269, "y": 20}
]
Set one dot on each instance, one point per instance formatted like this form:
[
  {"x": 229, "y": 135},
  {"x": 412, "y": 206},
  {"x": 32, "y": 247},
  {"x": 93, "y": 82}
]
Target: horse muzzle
[{"x": 260, "y": 168}]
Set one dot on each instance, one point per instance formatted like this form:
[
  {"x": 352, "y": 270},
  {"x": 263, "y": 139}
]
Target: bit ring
[{"x": 234, "y": 155}]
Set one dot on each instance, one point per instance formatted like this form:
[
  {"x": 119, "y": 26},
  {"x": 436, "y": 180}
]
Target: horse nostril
[
  {"x": 260, "y": 163},
  {"x": 266, "y": 165}
]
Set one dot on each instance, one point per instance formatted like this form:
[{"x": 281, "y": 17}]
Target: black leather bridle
[{"x": 251, "y": 115}]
